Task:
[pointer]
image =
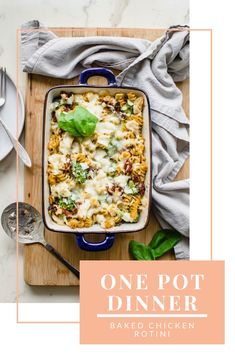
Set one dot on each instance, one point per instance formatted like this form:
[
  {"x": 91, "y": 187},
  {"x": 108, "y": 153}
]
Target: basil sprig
[
  {"x": 78, "y": 122},
  {"x": 162, "y": 241}
]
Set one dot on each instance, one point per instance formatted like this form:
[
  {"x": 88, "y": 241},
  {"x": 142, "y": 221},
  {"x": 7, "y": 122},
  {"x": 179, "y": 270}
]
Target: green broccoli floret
[
  {"x": 67, "y": 203},
  {"x": 79, "y": 172}
]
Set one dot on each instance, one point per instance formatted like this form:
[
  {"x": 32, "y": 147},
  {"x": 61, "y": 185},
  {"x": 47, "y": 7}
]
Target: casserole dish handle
[
  {"x": 97, "y": 71},
  {"x": 103, "y": 245}
]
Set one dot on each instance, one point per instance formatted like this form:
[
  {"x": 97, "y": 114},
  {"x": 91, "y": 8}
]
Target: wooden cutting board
[{"x": 41, "y": 268}]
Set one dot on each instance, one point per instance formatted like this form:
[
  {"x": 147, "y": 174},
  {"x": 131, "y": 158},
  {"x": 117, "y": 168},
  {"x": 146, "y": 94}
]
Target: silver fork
[{"x": 22, "y": 153}]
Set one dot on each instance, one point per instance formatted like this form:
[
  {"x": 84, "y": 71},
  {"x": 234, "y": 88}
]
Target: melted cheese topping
[
  {"x": 61, "y": 190},
  {"x": 83, "y": 209},
  {"x": 121, "y": 180},
  {"x": 105, "y": 127},
  {"x": 66, "y": 144},
  {"x": 132, "y": 126},
  {"x": 89, "y": 181},
  {"x": 103, "y": 140},
  {"x": 57, "y": 162}
]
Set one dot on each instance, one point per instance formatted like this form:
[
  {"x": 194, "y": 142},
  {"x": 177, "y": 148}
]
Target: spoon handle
[
  {"x": 54, "y": 252},
  {"x": 17, "y": 146}
]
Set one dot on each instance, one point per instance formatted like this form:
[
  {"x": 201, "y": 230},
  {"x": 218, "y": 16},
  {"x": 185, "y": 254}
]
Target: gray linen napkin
[{"x": 152, "y": 66}]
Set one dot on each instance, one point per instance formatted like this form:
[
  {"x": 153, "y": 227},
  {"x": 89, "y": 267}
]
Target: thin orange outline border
[{"x": 18, "y": 31}]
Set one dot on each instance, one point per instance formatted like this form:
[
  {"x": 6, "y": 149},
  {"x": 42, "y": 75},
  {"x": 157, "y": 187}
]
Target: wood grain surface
[{"x": 41, "y": 268}]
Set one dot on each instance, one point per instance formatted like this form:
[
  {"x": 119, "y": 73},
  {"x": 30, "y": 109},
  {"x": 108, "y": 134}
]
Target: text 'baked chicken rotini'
[{"x": 96, "y": 163}]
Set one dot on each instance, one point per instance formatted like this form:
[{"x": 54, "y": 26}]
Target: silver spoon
[
  {"x": 22, "y": 153},
  {"x": 31, "y": 229}
]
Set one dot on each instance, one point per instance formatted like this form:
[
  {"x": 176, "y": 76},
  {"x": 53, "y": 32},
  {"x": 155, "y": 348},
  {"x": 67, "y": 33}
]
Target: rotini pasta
[{"x": 99, "y": 179}]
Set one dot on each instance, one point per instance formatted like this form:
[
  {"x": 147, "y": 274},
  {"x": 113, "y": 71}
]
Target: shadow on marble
[{"x": 7, "y": 163}]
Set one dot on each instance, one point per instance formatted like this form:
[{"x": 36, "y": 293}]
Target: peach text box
[{"x": 145, "y": 302}]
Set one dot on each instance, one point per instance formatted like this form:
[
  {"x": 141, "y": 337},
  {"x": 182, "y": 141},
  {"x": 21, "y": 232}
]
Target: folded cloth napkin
[{"x": 152, "y": 66}]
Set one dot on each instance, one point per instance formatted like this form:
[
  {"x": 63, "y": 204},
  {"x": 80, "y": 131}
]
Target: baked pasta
[{"x": 96, "y": 164}]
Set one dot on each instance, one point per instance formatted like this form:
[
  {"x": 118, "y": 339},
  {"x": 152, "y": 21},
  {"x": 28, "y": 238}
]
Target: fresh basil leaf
[
  {"x": 84, "y": 121},
  {"x": 172, "y": 237},
  {"x": 157, "y": 239},
  {"x": 140, "y": 251},
  {"x": 163, "y": 241},
  {"x": 162, "y": 235},
  {"x": 79, "y": 122},
  {"x": 66, "y": 123}
]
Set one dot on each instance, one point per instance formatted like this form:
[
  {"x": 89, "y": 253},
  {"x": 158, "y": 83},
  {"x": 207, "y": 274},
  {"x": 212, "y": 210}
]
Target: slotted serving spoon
[{"x": 31, "y": 229}]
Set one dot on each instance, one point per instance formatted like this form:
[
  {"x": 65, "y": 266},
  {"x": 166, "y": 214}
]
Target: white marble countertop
[{"x": 60, "y": 13}]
